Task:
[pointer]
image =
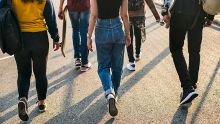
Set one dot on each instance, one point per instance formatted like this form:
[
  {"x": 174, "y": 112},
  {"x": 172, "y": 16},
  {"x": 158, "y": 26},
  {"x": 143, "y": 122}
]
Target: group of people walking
[{"x": 115, "y": 23}]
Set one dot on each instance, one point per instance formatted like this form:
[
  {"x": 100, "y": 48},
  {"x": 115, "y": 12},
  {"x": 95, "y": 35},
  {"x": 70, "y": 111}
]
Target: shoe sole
[
  {"x": 41, "y": 111},
  {"x": 189, "y": 98},
  {"x": 22, "y": 112},
  {"x": 84, "y": 70},
  {"x": 78, "y": 65},
  {"x": 130, "y": 69},
  {"x": 113, "y": 111}
]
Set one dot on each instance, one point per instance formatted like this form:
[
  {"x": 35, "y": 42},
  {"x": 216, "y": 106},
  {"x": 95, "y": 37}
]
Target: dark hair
[{"x": 28, "y": 1}]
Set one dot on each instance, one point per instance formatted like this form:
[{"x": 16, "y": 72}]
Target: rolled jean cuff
[{"x": 109, "y": 91}]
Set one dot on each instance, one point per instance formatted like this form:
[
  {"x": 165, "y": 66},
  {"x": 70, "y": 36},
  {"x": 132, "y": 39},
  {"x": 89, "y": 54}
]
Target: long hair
[{"x": 28, "y": 1}]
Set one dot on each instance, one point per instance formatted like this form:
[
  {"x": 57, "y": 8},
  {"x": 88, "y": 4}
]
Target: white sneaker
[
  {"x": 86, "y": 67},
  {"x": 131, "y": 66},
  {"x": 78, "y": 62},
  {"x": 138, "y": 56},
  {"x": 110, "y": 96}
]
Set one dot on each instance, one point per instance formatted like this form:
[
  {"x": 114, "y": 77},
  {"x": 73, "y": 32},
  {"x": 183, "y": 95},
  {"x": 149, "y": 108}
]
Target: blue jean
[
  {"x": 110, "y": 44},
  {"x": 80, "y": 23}
]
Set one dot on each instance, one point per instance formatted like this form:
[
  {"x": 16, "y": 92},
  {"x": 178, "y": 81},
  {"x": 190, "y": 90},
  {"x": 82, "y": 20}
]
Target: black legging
[
  {"x": 35, "y": 52},
  {"x": 134, "y": 31}
]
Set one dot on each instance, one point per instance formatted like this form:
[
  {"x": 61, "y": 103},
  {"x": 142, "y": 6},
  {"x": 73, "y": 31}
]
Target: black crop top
[{"x": 108, "y": 8}]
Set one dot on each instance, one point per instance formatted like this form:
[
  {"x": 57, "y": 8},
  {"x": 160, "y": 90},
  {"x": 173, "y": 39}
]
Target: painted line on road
[{"x": 7, "y": 57}]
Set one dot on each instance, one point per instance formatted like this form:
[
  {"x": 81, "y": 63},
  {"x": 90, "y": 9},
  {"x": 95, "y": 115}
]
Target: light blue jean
[
  {"x": 110, "y": 44},
  {"x": 80, "y": 23}
]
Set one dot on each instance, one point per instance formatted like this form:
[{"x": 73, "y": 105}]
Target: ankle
[{"x": 41, "y": 102}]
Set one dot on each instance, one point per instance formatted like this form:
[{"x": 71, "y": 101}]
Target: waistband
[{"x": 109, "y": 23}]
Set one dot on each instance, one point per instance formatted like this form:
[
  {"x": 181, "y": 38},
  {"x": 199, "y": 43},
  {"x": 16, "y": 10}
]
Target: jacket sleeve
[
  {"x": 153, "y": 9},
  {"x": 50, "y": 18}
]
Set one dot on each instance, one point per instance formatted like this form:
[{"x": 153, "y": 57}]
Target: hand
[
  {"x": 56, "y": 46},
  {"x": 208, "y": 23},
  {"x": 166, "y": 18},
  {"x": 89, "y": 44},
  {"x": 158, "y": 19},
  {"x": 61, "y": 14},
  {"x": 127, "y": 40}
]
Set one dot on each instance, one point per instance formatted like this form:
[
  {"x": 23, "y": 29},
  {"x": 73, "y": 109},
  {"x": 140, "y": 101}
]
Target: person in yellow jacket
[{"x": 35, "y": 17}]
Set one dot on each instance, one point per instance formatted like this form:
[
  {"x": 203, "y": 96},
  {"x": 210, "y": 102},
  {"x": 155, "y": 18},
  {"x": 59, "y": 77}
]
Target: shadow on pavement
[
  {"x": 60, "y": 54},
  {"x": 215, "y": 27},
  {"x": 55, "y": 85},
  {"x": 205, "y": 94},
  {"x": 11, "y": 99},
  {"x": 91, "y": 54},
  {"x": 83, "y": 112},
  {"x": 150, "y": 25},
  {"x": 181, "y": 114},
  {"x": 110, "y": 121},
  {"x": 144, "y": 71}
]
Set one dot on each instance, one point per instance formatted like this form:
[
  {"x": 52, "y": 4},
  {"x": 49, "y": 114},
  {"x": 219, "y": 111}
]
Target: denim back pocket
[
  {"x": 102, "y": 35},
  {"x": 119, "y": 35}
]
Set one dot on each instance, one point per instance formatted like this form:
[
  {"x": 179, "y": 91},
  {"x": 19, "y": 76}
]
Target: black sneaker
[
  {"x": 188, "y": 96},
  {"x": 23, "y": 110},
  {"x": 42, "y": 108},
  {"x": 113, "y": 111}
]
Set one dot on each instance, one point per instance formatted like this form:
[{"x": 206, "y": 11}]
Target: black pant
[
  {"x": 134, "y": 31},
  {"x": 179, "y": 27},
  {"x": 35, "y": 52}
]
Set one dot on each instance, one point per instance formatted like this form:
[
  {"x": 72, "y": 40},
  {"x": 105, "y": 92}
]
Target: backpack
[
  {"x": 134, "y": 5},
  {"x": 211, "y": 7},
  {"x": 10, "y": 33}
]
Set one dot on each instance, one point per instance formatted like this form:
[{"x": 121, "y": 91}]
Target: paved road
[{"x": 148, "y": 95}]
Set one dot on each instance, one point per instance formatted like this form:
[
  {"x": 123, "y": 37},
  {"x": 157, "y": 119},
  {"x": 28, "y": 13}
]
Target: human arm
[
  {"x": 92, "y": 21},
  {"x": 60, "y": 12},
  {"x": 50, "y": 18},
  {"x": 153, "y": 9},
  {"x": 125, "y": 19},
  {"x": 164, "y": 12}
]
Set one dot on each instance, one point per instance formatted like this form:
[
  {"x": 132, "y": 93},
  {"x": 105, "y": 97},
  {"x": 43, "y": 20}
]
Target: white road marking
[{"x": 7, "y": 57}]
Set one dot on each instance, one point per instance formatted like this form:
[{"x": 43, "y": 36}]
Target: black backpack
[{"x": 10, "y": 33}]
